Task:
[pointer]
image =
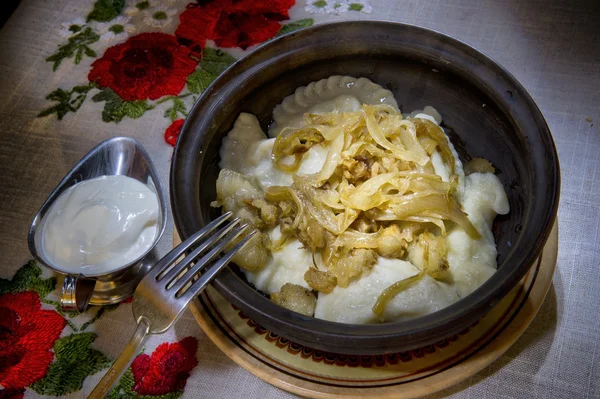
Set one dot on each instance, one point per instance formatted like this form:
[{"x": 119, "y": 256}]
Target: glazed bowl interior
[{"x": 486, "y": 112}]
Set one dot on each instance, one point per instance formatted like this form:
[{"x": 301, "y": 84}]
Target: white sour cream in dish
[
  {"x": 471, "y": 261},
  {"x": 100, "y": 225}
]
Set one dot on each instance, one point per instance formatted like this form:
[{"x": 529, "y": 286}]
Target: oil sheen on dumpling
[
  {"x": 334, "y": 94},
  {"x": 354, "y": 303}
]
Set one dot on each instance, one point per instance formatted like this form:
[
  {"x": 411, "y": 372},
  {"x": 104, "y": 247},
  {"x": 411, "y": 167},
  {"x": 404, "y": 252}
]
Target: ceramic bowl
[{"x": 486, "y": 112}]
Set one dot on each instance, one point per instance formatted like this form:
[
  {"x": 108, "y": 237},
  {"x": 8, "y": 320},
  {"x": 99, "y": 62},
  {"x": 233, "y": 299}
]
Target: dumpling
[
  {"x": 295, "y": 120},
  {"x": 234, "y": 189},
  {"x": 247, "y": 150},
  {"x": 442, "y": 170},
  {"x": 334, "y": 94},
  {"x": 428, "y": 113},
  {"x": 243, "y": 139},
  {"x": 285, "y": 266},
  {"x": 471, "y": 261},
  {"x": 353, "y": 304},
  {"x": 484, "y": 199},
  {"x": 259, "y": 165}
]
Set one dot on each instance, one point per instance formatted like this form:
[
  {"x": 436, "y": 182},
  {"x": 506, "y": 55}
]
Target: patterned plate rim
[{"x": 491, "y": 349}]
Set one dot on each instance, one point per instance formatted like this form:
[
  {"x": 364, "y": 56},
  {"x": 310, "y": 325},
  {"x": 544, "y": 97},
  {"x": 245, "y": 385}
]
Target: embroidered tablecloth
[{"x": 73, "y": 73}]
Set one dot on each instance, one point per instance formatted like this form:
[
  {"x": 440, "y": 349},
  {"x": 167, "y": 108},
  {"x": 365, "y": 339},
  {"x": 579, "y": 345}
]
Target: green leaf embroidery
[
  {"x": 75, "y": 48},
  {"x": 124, "y": 390},
  {"x": 28, "y": 278},
  {"x": 105, "y": 10},
  {"x": 294, "y": 26},
  {"x": 115, "y": 108},
  {"x": 75, "y": 360},
  {"x": 216, "y": 61},
  {"x": 143, "y": 5},
  {"x": 355, "y": 7},
  {"x": 177, "y": 108},
  {"x": 199, "y": 80},
  {"x": 89, "y": 52},
  {"x": 68, "y": 101}
]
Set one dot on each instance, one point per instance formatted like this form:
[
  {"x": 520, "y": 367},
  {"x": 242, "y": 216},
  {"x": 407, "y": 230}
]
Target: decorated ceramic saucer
[{"x": 318, "y": 374}]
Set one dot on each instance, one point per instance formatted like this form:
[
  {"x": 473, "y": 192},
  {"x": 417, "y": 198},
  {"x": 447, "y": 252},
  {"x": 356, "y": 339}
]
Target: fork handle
[{"x": 132, "y": 348}]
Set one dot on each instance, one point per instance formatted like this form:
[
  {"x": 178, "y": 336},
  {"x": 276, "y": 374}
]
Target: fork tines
[{"x": 176, "y": 277}]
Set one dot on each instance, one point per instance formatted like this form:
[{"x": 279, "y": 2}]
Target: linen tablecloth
[{"x": 51, "y": 115}]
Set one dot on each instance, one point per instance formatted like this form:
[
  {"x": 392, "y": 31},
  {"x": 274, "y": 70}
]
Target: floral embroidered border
[
  {"x": 146, "y": 69},
  {"x": 145, "y": 54},
  {"x": 50, "y": 352},
  {"x": 149, "y": 68}
]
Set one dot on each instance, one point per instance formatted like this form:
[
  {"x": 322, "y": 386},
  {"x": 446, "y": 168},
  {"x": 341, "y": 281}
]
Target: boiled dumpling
[
  {"x": 245, "y": 135},
  {"x": 484, "y": 199},
  {"x": 334, "y": 94},
  {"x": 234, "y": 189},
  {"x": 472, "y": 261},
  {"x": 354, "y": 304},
  {"x": 267, "y": 174},
  {"x": 247, "y": 150},
  {"x": 339, "y": 104},
  {"x": 285, "y": 266},
  {"x": 259, "y": 165},
  {"x": 428, "y": 113}
]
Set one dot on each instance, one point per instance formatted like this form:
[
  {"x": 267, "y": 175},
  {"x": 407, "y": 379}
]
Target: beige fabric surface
[{"x": 553, "y": 49}]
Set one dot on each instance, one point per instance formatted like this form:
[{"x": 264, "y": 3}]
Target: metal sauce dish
[{"x": 115, "y": 156}]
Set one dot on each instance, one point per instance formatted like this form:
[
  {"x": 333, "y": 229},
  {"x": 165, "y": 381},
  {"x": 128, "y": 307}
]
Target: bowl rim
[{"x": 432, "y": 325}]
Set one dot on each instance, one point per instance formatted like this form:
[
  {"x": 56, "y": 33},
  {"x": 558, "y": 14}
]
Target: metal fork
[{"x": 168, "y": 288}]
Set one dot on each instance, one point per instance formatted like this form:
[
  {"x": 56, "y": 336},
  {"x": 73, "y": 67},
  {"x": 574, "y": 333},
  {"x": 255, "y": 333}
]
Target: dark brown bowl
[{"x": 488, "y": 113}]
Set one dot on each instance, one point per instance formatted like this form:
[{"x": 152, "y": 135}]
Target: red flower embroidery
[
  {"x": 196, "y": 24},
  {"x": 167, "y": 370},
  {"x": 27, "y": 333},
  {"x": 172, "y": 132},
  {"x": 149, "y": 65},
  {"x": 12, "y": 393},
  {"x": 231, "y": 23}
]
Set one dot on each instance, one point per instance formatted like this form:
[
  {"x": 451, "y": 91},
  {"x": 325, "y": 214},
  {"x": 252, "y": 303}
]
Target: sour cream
[{"x": 100, "y": 225}]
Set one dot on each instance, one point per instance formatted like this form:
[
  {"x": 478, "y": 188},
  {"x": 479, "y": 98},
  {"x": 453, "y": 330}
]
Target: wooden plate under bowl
[{"x": 317, "y": 374}]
